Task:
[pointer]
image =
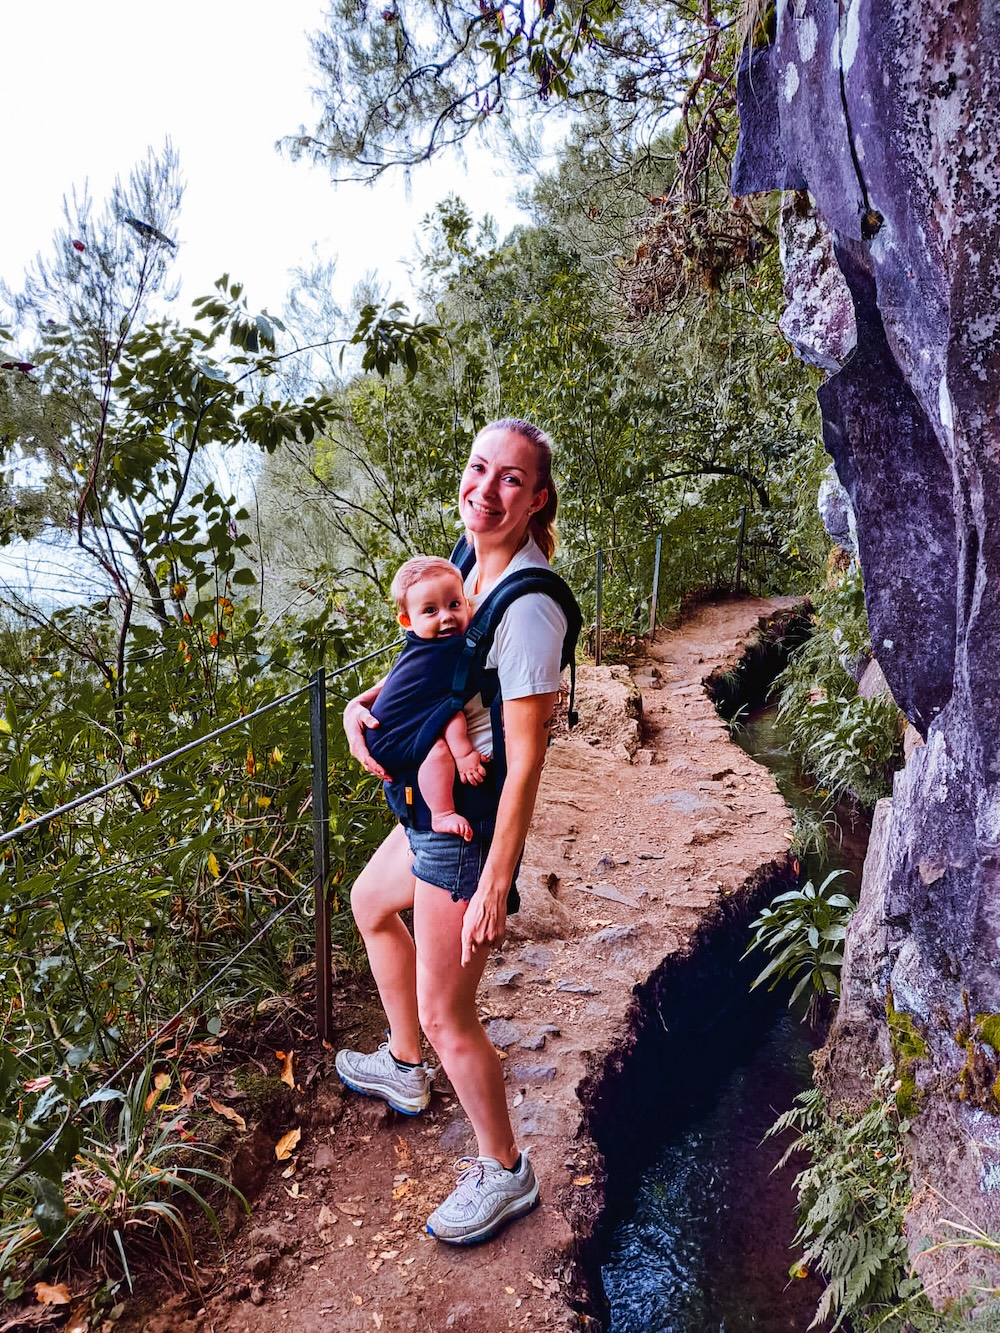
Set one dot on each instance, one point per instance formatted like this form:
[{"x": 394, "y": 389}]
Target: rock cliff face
[{"x": 880, "y": 119}]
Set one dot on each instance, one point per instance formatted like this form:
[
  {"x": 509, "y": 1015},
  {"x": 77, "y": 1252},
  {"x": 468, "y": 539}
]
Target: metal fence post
[
  {"x": 656, "y": 585},
  {"x": 599, "y": 611},
  {"x": 321, "y": 854},
  {"x": 739, "y": 550}
]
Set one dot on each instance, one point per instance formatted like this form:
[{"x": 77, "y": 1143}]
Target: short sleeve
[{"x": 527, "y": 648}]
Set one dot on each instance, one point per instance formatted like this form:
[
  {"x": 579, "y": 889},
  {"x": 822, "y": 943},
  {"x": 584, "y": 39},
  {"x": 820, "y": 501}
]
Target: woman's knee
[{"x": 384, "y": 887}]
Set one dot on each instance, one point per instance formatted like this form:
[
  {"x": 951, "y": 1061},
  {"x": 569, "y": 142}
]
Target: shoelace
[{"x": 471, "y": 1171}]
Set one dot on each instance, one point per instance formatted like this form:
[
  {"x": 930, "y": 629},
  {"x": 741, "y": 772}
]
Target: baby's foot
[{"x": 450, "y": 822}]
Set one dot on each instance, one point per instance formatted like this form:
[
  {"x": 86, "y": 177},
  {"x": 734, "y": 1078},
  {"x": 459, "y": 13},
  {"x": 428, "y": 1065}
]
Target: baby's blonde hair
[{"x": 415, "y": 571}]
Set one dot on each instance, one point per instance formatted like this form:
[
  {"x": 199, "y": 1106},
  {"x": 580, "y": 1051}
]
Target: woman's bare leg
[
  {"x": 383, "y": 890},
  {"x": 446, "y": 997}
]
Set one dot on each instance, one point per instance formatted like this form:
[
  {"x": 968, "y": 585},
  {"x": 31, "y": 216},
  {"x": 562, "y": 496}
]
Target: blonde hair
[
  {"x": 415, "y": 571},
  {"x": 542, "y": 523}
]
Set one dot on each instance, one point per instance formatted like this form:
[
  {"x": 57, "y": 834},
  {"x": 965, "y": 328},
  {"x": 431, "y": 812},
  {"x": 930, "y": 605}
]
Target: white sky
[{"x": 87, "y": 87}]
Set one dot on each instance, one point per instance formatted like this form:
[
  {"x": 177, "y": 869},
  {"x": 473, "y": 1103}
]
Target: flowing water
[{"x": 699, "y": 1227}]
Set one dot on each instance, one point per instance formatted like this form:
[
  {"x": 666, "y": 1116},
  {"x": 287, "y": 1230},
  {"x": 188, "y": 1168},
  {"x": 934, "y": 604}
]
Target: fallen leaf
[
  {"x": 228, "y": 1113},
  {"x": 401, "y": 1190},
  {"x": 206, "y": 1047},
  {"x": 509, "y": 1291},
  {"x": 54, "y": 1295},
  {"x": 584, "y": 1180},
  {"x": 289, "y": 1171},
  {"x": 518, "y": 1098},
  {"x": 37, "y": 1084},
  {"x": 327, "y": 1217},
  {"x": 377, "y": 1318},
  {"x": 287, "y": 1076},
  {"x": 351, "y": 1207},
  {"x": 160, "y": 1082},
  {"x": 358, "y": 1300},
  {"x": 294, "y": 1192},
  {"x": 287, "y": 1144}
]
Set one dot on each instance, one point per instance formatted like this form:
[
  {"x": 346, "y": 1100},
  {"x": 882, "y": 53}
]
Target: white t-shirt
[{"x": 527, "y": 648}]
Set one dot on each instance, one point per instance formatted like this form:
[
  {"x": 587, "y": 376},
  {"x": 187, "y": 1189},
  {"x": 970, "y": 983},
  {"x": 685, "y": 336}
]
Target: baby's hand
[{"x": 470, "y": 769}]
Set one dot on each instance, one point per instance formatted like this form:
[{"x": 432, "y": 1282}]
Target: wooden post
[{"x": 321, "y": 854}]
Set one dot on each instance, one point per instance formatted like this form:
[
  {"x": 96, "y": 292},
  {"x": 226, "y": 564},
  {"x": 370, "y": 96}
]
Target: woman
[{"x": 507, "y": 501}]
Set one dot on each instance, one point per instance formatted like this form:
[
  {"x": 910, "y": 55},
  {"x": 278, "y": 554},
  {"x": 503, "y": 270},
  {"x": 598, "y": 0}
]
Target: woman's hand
[
  {"x": 357, "y": 718},
  {"x": 485, "y": 921}
]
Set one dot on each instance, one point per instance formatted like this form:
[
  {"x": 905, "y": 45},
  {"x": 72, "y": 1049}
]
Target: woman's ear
[
  {"x": 541, "y": 499},
  {"x": 403, "y": 619}
]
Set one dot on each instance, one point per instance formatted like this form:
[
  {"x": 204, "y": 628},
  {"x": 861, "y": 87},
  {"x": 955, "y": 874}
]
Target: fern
[{"x": 852, "y": 1197}]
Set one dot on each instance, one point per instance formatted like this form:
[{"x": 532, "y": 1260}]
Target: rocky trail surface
[{"x": 648, "y": 820}]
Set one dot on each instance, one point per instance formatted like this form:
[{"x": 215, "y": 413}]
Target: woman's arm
[
  {"x": 526, "y": 728},
  {"x": 356, "y": 719}
]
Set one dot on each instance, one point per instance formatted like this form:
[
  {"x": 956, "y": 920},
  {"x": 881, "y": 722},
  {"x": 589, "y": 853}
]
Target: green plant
[
  {"x": 803, "y": 929},
  {"x": 849, "y": 743},
  {"x": 136, "y": 1165},
  {"x": 852, "y": 1199}
]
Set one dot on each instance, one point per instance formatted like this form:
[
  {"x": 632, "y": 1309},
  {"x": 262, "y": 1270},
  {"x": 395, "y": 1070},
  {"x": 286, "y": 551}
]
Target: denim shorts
[{"x": 455, "y": 865}]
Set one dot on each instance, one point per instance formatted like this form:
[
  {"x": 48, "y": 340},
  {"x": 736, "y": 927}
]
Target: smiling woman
[{"x": 507, "y": 501}]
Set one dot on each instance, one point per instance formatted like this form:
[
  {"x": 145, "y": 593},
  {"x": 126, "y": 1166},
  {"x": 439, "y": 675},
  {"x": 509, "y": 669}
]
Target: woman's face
[{"x": 497, "y": 496}]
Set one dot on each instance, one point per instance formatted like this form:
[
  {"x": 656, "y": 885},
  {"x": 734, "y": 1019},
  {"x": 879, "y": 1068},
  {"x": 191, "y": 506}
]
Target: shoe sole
[
  {"x": 515, "y": 1209},
  {"x": 385, "y": 1096}
]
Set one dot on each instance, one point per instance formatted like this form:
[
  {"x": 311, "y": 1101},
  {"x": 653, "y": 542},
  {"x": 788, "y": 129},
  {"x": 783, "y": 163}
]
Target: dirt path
[{"x": 643, "y": 826}]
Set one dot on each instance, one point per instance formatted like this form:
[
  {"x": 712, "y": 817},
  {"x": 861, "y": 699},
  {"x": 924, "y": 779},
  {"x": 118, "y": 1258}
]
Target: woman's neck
[{"x": 492, "y": 560}]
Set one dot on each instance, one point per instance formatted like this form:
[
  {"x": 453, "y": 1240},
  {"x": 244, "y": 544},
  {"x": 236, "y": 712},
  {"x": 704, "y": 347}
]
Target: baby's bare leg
[{"x": 436, "y": 780}]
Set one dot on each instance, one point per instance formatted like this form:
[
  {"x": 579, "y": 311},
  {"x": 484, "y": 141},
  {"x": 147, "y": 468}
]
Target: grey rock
[
  {"x": 260, "y": 1265},
  {"x": 527, "y": 1073},
  {"x": 535, "y": 955},
  {"x": 502, "y": 1033},
  {"x": 536, "y": 1042},
  {"x": 576, "y": 988},
  {"x": 456, "y": 1136},
  {"x": 534, "y": 1119},
  {"x": 507, "y": 976},
  {"x": 837, "y": 512},
  {"x": 325, "y": 1158}
]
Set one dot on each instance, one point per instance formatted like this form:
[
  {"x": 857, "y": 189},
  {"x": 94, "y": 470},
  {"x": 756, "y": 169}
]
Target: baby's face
[{"x": 436, "y": 606}]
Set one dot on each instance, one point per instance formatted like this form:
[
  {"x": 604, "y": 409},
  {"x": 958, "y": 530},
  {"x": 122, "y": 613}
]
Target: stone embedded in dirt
[
  {"x": 260, "y": 1265},
  {"x": 525, "y": 1073},
  {"x": 502, "y": 1033},
  {"x": 576, "y": 988},
  {"x": 325, "y": 1159},
  {"x": 644, "y": 758},
  {"x": 536, "y": 1120},
  {"x": 508, "y": 977},
  {"x": 456, "y": 1136},
  {"x": 612, "y": 936},
  {"x": 257, "y": 1294},
  {"x": 536, "y": 1042},
  {"x": 535, "y": 955},
  {"x": 274, "y": 1239}
]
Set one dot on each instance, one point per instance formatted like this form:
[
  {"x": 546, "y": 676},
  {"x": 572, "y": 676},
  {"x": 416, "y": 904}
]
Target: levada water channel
[{"x": 697, "y": 1233}]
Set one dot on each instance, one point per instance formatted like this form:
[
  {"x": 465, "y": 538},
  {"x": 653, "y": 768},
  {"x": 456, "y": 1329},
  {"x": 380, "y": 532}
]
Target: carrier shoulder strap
[{"x": 483, "y": 627}]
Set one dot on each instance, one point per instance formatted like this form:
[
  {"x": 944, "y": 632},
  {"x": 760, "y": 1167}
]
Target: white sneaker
[
  {"x": 486, "y": 1197},
  {"x": 378, "y": 1075}
]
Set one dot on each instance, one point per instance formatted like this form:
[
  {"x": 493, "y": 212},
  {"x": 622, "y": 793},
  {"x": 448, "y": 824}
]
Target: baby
[{"x": 435, "y": 612}]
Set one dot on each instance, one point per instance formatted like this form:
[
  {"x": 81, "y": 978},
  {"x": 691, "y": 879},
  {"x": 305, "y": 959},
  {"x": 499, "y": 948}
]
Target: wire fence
[{"x": 48, "y": 886}]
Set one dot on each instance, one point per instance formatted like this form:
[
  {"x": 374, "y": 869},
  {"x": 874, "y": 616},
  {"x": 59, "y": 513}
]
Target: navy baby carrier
[{"x": 471, "y": 677}]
